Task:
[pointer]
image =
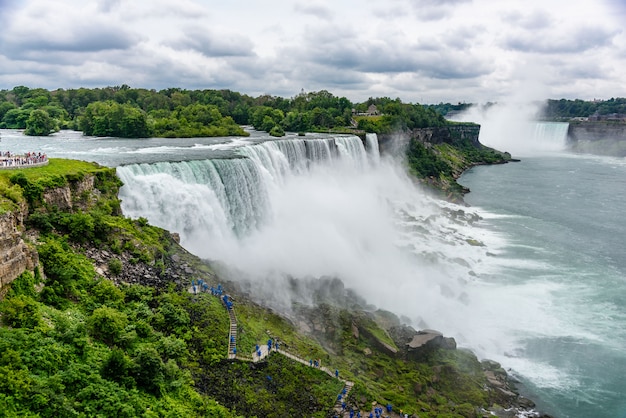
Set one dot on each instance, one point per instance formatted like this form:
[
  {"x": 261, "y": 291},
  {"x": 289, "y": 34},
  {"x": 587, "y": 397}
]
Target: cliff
[
  {"x": 438, "y": 156},
  {"x": 15, "y": 255},
  {"x": 597, "y": 137},
  {"x": 74, "y": 191}
]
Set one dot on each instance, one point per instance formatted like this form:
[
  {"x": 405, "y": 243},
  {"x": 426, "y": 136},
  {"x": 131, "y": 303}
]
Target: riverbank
[{"x": 437, "y": 157}]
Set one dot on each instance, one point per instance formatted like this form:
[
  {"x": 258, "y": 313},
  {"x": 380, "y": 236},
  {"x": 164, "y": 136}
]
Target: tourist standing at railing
[{"x": 7, "y": 159}]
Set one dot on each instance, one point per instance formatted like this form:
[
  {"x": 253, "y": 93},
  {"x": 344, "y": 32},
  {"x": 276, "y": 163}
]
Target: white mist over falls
[{"x": 327, "y": 207}]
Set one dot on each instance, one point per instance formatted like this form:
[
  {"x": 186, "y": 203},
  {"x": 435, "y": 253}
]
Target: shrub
[
  {"x": 115, "y": 266},
  {"x": 106, "y": 324},
  {"x": 20, "y": 312},
  {"x": 149, "y": 369},
  {"x": 106, "y": 293}
]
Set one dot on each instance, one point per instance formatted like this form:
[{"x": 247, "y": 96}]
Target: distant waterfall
[
  {"x": 551, "y": 135},
  {"x": 223, "y": 199},
  {"x": 371, "y": 144}
]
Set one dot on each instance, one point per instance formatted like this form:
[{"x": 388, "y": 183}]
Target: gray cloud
[
  {"x": 432, "y": 10},
  {"x": 531, "y": 21},
  {"x": 316, "y": 10},
  {"x": 400, "y": 48},
  {"x": 212, "y": 44},
  {"x": 580, "y": 40}
]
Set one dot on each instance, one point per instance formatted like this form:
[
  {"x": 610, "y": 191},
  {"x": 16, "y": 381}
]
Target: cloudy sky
[{"x": 424, "y": 51}]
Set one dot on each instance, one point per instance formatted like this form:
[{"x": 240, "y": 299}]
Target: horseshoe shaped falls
[{"x": 542, "y": 293}]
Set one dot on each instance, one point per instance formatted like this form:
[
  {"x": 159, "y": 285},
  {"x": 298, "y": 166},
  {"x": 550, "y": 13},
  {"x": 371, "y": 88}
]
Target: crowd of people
[{"x": 8, "y": 159}]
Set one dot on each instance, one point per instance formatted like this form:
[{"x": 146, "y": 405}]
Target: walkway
[{"x": 263, "y": 351}]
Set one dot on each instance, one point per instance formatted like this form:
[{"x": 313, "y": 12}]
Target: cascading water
[
  {"x": 326, "y": 207},
  {"x": 550, "y": 136}
]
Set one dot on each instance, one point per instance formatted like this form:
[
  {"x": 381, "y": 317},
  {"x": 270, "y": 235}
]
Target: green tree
[{"x": 39, "y": 123}]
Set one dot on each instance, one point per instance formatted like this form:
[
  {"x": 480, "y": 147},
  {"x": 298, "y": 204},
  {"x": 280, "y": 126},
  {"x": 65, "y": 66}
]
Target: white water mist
[
  {"x": 513, "y": 127},
  {"x": 338, "y": 213}
]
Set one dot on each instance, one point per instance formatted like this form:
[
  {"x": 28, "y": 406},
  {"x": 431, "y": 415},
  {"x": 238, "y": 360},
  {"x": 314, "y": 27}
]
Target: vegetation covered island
[{"x": 103, "y": 315}]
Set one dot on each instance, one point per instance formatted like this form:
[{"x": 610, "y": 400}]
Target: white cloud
[{"x": 418, "y": 50}]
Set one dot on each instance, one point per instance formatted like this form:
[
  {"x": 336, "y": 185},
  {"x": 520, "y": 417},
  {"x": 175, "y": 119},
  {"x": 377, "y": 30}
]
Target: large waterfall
[{"x": 318, "y": 207}]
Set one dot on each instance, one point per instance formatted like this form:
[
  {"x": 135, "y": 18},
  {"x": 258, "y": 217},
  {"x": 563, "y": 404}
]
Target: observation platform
[{"x": 10, "y": 161}]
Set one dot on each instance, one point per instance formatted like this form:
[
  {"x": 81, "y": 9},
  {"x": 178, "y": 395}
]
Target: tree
[
  {"x": 39, "y": 123},
  {"x": 109, "y": 118},
  {"x": 106, "y": 324}
]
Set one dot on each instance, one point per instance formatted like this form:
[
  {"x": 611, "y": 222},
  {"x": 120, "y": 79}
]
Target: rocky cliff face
[
  {"x": 78, "y": 195},
  {"x": 598, "y": 137},
  {"x": 15, "y": 255},
  {"x": 448, "y": 134},
  {"x": 453, "y": 135}
]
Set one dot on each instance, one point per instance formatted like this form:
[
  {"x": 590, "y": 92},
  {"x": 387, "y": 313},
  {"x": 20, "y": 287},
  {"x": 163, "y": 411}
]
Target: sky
[{"x": 425, "y": 51}]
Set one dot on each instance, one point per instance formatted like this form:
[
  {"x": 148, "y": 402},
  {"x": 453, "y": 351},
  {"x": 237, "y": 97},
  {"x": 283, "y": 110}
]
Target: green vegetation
[
  {"x": 564, "y": 108},
  {"x": 446, "y": 108},
  {"x": 122, "y": 111},
  {"x": 398, "y": 116},
  {"x": 439, "y": 165}
]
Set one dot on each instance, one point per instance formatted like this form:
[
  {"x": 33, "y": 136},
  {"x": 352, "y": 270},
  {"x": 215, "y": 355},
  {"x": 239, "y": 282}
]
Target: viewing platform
[{"x": 9, "y": 161}]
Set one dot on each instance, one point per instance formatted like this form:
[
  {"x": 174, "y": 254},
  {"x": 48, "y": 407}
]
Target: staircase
[{"x": 232, "y": 335}]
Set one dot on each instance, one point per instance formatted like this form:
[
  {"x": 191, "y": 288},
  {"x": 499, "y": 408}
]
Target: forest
[
  {"x": 123, "y": 111},
  {"x": 564, "y": 108}
]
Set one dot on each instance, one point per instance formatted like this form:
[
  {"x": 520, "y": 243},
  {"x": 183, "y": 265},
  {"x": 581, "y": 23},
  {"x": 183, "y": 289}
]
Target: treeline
[
  {"x": 445, "y": 108},
  {"x": 565, "y": 108},
  {"x": 128, "y": 112}
]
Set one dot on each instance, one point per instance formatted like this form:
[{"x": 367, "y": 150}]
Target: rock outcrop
[
  {"x": 77, "y": 195},
  {"x": 597, "y": 137},
  {"x": 16, "y": 256},
  {"x": 453, "y": 135}
]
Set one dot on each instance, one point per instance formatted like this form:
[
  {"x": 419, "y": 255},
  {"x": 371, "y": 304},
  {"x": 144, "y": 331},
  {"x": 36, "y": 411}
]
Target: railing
[{"x": 14, "y": 162}]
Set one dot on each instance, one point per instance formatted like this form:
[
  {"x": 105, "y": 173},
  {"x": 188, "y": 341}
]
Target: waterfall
[
  {"x": 550, "y": 135},
  {"x": 225, "y": 199},
  {"x": 326, "y": 207}
]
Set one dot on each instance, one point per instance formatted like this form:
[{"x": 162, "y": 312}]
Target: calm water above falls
[{"x": 562, "y": 220}]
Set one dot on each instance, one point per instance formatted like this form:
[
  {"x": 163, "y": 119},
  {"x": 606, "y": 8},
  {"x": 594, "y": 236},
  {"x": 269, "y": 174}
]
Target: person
[
  {"x": 310, "y": 362},
  {"x": 337, "y": 373}
]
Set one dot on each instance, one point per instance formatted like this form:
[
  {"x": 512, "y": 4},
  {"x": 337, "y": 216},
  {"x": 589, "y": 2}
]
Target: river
[{"x": 531, "y": 274}]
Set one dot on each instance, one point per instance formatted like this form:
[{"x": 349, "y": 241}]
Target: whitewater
[{"x": 265, "y": 210}]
